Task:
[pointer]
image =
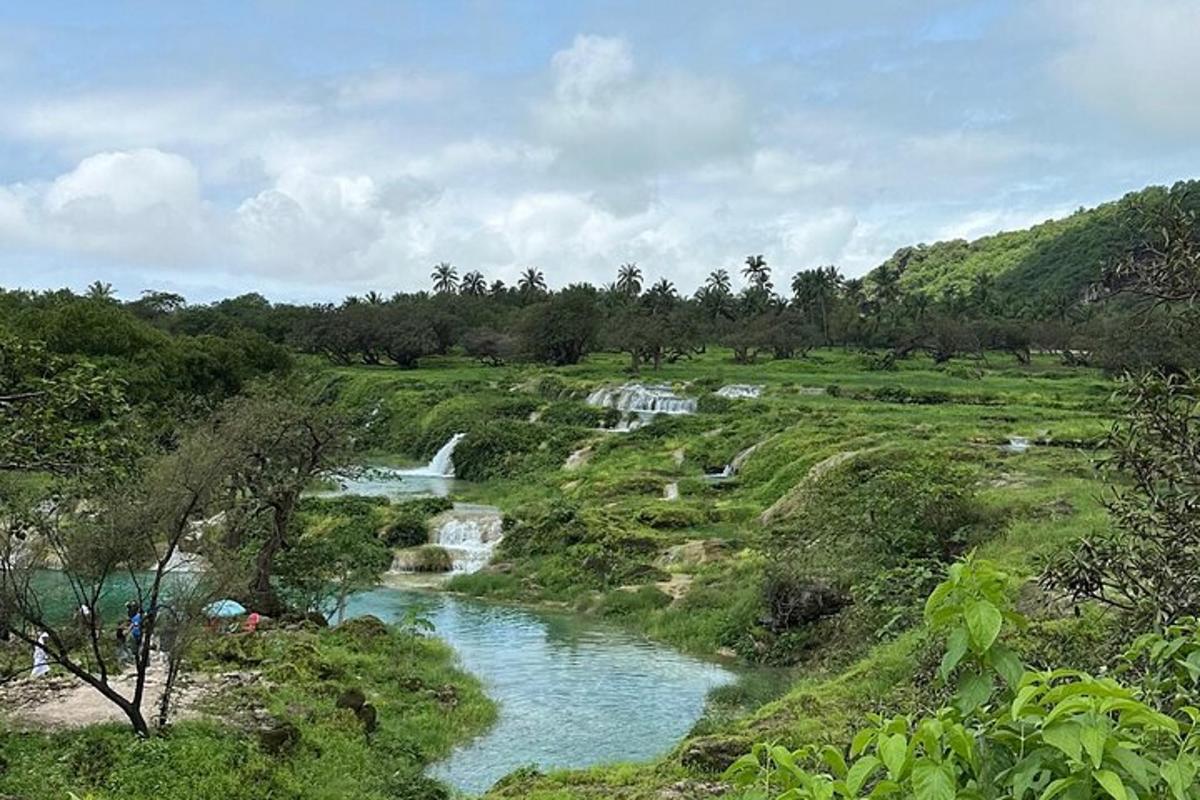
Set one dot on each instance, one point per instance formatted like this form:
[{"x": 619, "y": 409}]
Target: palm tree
[
  {"x": 497, "y": 288},
  {"x": 629, "y": 279},
  {"x": 532, "y": 281},
  {"x": 757, "y": 272},
  {"x": 373, "y": 298},
  {"x": 719, "y": 282},
  {"x": 473, "y": 284},
  {"x": 100, "y": 291},
  {"x": 444, "y": 277},
  {"x": 664, "y": 288}
]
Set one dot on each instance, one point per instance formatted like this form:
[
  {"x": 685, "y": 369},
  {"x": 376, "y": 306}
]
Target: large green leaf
[
  {"x": 1112, "y": 784},
  {"x": 858, "y": 774},
  {"x": 933, "y": 781},
  {"x": 974, "y": 690},
  {"x": 892, "y": 751},
  {"x": 983, "y": 623},
  {"x": 956, "y": 648},
  {"x": 1064, "y": 736}
]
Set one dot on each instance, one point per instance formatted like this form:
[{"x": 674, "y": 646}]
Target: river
[{"x": 570, "y": 693}]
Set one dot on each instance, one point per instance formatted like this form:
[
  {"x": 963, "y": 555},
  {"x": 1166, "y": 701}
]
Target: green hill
[{"x": 1031, "y": 272}]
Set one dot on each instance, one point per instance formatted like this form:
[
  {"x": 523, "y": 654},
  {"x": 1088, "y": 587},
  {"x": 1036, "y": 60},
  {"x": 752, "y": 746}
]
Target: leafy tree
[
  {"x": 562, "y": 329},
  {"x": 59, "y": 416},
  {"x": 282, "y": 442},
  {"x": 128, "y": 526}
]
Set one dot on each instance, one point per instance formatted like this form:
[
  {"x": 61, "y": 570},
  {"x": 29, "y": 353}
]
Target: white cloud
[
  {"x": 783, "y": 172},
  {"x": 814, "y": 239},
  {"x": 1136, "y": 61},
  {"x": 141, "y": 205},
  {"x": 985, "y": 222},
  {"x": 608, "y": 120}
]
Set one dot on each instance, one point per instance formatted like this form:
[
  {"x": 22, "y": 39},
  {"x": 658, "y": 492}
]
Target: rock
[
  {"x": 714, "y": 753},
  {"x": 353, "y": 699},
  {"x": 677, "y": 456},
  {"x": 368, "y": 716},
  {"x": 279, "y": 739},
  {"x": 364, "y": 628},
  {"x": 676, "y": 587},
  {"x": 578, "y": 459},
  {"x": 792, "y": 605},
  {"x": 447, "y": 695},
  {"x": 693, "y": 553},
  {"x": 671, "y": 491},
  {"x": 695, "y": 790}
]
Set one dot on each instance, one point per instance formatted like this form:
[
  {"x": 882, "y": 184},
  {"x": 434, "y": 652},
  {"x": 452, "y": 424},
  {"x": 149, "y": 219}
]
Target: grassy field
[
  {"x": 852, "y": 471},
  {"x": 425, "y": 706}
]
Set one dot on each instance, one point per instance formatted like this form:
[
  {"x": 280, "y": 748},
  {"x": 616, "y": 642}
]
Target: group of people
[{"x": 128, "y": 636}]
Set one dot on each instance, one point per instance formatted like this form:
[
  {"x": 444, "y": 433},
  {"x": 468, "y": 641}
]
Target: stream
[{"x": 571, "y": 693}]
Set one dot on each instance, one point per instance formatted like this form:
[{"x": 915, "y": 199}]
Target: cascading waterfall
[
  {"x": 469, "y": 533},
  {"x": 637, "y": 398},
  {"x": 442, "y": 463},
  {"x": 733, "y": 466},
  {"x": 737, "y": 391}
]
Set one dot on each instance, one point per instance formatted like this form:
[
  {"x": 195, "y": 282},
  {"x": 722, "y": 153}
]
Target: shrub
[
  {"x": 710, "y": 403},
  {"x": 566, "y": 412},
  {"x": 408, "y": 523}
]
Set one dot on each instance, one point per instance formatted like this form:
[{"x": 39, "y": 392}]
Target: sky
[{"x": 310, "y": 150}]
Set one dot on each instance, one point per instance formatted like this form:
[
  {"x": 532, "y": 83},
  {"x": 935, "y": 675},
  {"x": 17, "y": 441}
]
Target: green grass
[{"x": 425, "y": 706}]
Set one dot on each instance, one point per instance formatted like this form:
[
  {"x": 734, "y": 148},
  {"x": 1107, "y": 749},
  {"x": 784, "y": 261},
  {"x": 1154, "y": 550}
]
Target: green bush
[
  {"x": 566, "y": 412},
  {"x": 710, "y": 403},
  {"x": 407, "y": 524}
]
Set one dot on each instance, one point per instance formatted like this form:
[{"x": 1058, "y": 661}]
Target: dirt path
[{"x": 59, "y": 702}]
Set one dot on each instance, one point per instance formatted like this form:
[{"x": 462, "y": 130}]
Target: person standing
[{"x": 41, "y": 661}]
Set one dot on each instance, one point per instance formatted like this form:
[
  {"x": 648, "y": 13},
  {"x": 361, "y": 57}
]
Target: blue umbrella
[{"x": 225, "y": 608}]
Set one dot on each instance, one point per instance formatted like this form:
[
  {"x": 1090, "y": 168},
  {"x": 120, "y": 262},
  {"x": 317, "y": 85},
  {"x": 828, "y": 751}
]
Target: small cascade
[
  {"x": 442, "y": 463},
  {"x": 642, "y": 399},
  {"x": 733, "y": 466},
  {"x": 469, "y": 533},
  {"x": 1016, "y": 444},
  {"x": 739, "y": 391}
]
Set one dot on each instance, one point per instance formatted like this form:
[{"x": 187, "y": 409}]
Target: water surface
[{"x": 571, "y": 694}]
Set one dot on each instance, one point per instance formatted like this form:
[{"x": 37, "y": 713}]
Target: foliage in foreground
[{"x": 1044, "y": 734}]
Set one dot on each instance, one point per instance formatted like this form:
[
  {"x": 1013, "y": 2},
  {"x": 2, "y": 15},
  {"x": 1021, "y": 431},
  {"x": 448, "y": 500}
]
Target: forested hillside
[{"x": 1039, "y": 272}]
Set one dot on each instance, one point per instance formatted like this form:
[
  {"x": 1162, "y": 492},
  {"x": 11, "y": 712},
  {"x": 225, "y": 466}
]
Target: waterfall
[
  {"x": 1016, "y": 444},
  {"x": 736, "y": 391},
  {"x": 733, "y": 466},
  {"x": 642, "y": 399},
  {"x": 442, "y": 463},
  {"x": 469, "y": 533}
]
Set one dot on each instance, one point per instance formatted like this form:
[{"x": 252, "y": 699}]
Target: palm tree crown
[
  {"x": 532, "y": 281},
  {"x": 444, "y": 277},
  {"x": 629, "y": 279},
  {"x": 757, "y": 272},
  {"x": 473, "y": 284}
]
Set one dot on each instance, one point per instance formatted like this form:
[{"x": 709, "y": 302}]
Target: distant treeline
[{"x": 1067, "y": 286}]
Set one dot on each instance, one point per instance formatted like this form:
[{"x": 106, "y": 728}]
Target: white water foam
[{"x": 736, "y": 391}]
